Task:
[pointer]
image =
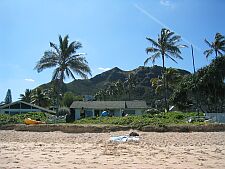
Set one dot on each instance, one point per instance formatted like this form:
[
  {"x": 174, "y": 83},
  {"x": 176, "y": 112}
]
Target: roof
[
  {"x": 29, "y": 104},
  {"x": 136, "y": 104},
  {"x": 109, "y": 104}
]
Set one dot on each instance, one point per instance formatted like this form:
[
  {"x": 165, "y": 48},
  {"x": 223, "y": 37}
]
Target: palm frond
[
  {"x": 54, "y": 46},
  {"x": 79, "y": 66},
  {"x": 174, "y": 54},
  {"x": 175, "y": 39},
  {"x": 66, "y": 59},
  {"x": 151, "y": 50},
  {"x": 208, "y": 43},
  {"x": 220, "y": 53},
  {"x": 69, "y": 73},
  {"x": 170, "y": 35},
  {"x": 171, "y": 58},
  {"x": 56, "y": 74},
  {"x": 154, "y": 43},
  {"x": 208, "y": 52},
  {"x": 152, "y": 58},
  {"x": 47, "y": 61}
]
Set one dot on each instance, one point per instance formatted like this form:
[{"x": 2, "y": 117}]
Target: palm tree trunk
[{"x": 164, "y": 83}]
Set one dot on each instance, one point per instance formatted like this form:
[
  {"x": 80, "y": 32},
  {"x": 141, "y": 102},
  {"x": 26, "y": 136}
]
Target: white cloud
[
  {"x": 166, "y": 3},
  {"x": 104, "y": 69},
  {"x": 29, "y": 80}
]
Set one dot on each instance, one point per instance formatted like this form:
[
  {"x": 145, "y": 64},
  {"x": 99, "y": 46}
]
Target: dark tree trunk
[{"x": 164, "y": 84}]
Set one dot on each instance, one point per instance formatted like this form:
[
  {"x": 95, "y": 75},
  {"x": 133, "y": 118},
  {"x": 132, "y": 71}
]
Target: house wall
[
  {"x": 77, "y": 114},
  {"x": 134, "y": 111},
  {"x": 217, "y": 117},
  {"x": 138, "y": 112},
  {"x": 89, "y": 112},
  {"x": 117, "y": 112}
]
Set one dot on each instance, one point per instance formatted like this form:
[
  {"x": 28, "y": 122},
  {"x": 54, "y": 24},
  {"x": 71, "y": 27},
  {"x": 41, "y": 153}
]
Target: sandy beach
[{"x": 94, "y": 150}]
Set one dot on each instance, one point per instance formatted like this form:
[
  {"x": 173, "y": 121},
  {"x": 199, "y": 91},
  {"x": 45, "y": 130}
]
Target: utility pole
[{"x": 196, "y": 95}]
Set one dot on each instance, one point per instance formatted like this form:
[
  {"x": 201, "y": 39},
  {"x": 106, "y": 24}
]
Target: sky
[{"x": 113, "y": 34}]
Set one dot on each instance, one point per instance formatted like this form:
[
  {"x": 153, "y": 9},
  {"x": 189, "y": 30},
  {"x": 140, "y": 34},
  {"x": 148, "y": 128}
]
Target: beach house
[
  {"x": 81, "y": 109},
  {"x": 19, "y": 107}
]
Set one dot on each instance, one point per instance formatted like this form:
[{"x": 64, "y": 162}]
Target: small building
[
  {"x": 81, "y": 109},
  {"x": 216, "y": 117},
  {"x": 19, "y": 107}
]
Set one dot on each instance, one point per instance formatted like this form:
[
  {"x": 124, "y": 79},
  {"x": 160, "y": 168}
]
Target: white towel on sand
[{"x": 124, "y": 138}]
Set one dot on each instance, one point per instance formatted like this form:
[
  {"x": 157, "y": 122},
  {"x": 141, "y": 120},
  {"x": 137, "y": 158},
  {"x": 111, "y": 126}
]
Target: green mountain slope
[{"x": 142, "y": 77}]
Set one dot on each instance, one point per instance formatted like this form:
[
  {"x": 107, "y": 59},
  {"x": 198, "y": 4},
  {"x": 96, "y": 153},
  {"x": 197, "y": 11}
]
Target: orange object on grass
[{"x": 30, "y": 121}]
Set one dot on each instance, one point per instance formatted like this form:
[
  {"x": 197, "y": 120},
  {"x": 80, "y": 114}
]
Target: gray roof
[
  {"x": 109, "y": 104},
  {"x": 136, "y": 104},
  {"x": 35, "y": 106}
]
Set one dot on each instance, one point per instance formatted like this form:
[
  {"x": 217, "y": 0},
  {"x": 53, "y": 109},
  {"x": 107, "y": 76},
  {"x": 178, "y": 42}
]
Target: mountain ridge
[{"x": 90, "y": 86}]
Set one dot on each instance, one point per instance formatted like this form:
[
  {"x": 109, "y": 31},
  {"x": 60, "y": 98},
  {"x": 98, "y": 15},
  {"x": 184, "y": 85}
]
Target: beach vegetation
[
  {"x": 138, "y": 121},
  {"x": 19, "y": 118},
  {"x": 166, "y": 46},
  {"x": 66, "y": 61}
]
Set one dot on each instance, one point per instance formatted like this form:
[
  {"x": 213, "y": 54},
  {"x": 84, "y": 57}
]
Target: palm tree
[
  {"x": 65, "y": 59},
  {"x": 100, "y": 95},
  {"x": 27, "y": 96},
  {"x": 165, "y": 47},
  {"x": 119, "y": 87},
  {"x": 217, "y": 46},
  {"x": 130, "y": 84},
  {"x": 40, "y": 98},
  {"x": 173, "y": 77}
]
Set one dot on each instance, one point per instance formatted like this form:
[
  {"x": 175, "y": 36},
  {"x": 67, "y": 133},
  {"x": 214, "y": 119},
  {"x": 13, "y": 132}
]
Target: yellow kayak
[{"x": 30, "y": 121}]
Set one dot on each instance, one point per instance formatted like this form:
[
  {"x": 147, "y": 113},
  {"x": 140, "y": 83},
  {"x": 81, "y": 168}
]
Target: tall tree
[
  {"x": 130, "y": 84},
  {"x": 40, "y": 98},
  {"x": 167, "y": 46},
  {"x": 8, "y": 98},
  {"x": 27, "y": 96},
  {"x": 217, "y": 46},
  {"x": 65, "y": 59}
]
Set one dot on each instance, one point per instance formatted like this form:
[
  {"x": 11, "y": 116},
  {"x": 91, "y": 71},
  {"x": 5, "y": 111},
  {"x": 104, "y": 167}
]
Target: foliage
[
  {"x": 27, "y": 96},
  {"x": 130, "y": 85},
  {"x": 138, "y": 121},
  {"x": 166, "y": 47},
  {"x": 173, "y": 77},
  {"x": 66, "y": 60},
  {"x": 116, "y": 89},
  {"x": 8, "y": 98},
  {"x": 217, "y": 46},
  {"x": 68, "y": 99},
  {"x": 152, "y": 111},
  {"x": 19, "y": 118},
  {"x": 40, "y": 98},
  {"x": 208, "y": 84},
  {"x": 63, "y": 111}
]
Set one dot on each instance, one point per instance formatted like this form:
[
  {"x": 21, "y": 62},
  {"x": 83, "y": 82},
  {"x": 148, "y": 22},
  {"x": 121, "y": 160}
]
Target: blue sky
[{"x": 112, "y": 32}]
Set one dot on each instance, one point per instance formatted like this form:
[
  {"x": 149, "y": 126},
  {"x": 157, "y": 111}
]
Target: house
[
  {"x": 81, "y": 109},
  {"x": 216, "y": 117},
  {"x": 19, "y": 107}
]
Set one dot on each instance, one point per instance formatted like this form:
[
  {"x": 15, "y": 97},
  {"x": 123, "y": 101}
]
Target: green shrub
[
  {"x": 19, "y": 118},
  {"x": 63, "y": 111},
  {"x": 152, "y": 111},
  {"x": 138, "y": 121}
]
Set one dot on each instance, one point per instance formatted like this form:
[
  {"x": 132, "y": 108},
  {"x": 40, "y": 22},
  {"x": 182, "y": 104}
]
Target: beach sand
[{"x": 94, "y": 150}]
